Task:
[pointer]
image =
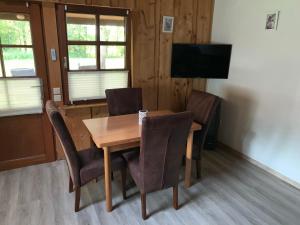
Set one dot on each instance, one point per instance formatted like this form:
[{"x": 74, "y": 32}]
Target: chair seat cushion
[
  {"x": 132, "y": 159},
  {"x": 92, "y": 164}
]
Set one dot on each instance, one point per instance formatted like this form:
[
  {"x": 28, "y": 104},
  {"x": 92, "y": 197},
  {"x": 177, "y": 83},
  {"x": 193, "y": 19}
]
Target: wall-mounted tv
[{"x": 201, "y": 60}]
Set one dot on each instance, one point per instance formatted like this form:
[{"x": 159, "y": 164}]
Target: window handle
[{"x": 65, "y": 63}]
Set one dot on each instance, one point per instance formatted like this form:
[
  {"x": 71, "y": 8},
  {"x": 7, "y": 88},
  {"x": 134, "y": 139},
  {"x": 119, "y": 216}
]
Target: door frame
[{"x": 38, "y": 42}]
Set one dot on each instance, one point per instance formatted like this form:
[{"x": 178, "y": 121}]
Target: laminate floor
[{"x": 231, "y": 191}]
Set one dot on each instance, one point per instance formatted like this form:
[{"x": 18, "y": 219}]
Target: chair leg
[
  {"x": 123, "y": 181},
  {"x": 198, "y": 168},
  {"x": 112, "y": 176},
  {"x": 143, "y": 205},
  {"x": 77, "y": 199},
  {"x": 70, "y": 185},
  {"x": 175, "y": 197}
]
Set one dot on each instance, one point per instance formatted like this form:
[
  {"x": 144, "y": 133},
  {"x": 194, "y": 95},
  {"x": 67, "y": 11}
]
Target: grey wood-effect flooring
[{"x": 231, "y": 191}]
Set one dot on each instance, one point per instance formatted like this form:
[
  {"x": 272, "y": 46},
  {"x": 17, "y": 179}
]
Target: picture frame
[
  {"x": 272, "y": 21},
  {"x": 168, "y": 24}
]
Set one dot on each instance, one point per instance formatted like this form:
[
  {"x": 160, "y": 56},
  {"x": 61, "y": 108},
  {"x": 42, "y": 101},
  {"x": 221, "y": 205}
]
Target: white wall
[{"x": 261, "y": 112}]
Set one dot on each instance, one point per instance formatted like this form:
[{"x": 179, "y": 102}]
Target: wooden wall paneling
[
  {"x": 144, "y": 74},
  {"x": 51, "y": 41},
  {"x": 79, "y": 133},
  {"x": 165, "y": 49},
  {"x": 203, "y": 35},
  {"x": 97, "y": 112},
  {"x": 183, "y": 33},
  {"x": 101, "y": 2}
]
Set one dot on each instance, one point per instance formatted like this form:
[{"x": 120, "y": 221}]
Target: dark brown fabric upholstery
[
  {"x": 124, "y": 101},
  {"x": 92, "y": 165},
  {"x": 65, "y": 140},
  {"x": 203, "y": 105},
  {"x": 163, "y": 142},
  {"x": 84, "y": 165}
]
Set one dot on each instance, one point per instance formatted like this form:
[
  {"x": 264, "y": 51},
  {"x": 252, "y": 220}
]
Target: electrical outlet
[
  {"x": 56, "y": 91},
  {"x": 57, "y": 98}
]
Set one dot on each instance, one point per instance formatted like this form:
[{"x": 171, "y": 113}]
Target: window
[
  {"x": 95, "y": 51},
  {"x": 20, "y": 88}
]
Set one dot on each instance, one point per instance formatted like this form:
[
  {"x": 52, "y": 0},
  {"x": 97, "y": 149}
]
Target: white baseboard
[{"x": 260, "y": 165}]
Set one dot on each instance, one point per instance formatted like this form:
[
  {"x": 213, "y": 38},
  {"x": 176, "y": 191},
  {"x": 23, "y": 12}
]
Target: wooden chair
[
  {"x": 157, "y": 165},
  {"x": 84, "y": 165},
  {"x": 124, "y": 101},
  {"x": 203, "y": 106}
]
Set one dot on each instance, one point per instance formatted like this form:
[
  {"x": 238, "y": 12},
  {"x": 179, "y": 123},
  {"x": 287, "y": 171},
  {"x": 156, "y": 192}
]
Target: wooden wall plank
[
  {"x": 101, "y": 2},
  {"x": 144, "y": 74},
  {"x": 79, "y": 133},
  {"x": 204, "y": 24},
  {"x": 51, "y": 41},
  {"x": 165, "y": 49},
  {"x": 183, "y": 33}
]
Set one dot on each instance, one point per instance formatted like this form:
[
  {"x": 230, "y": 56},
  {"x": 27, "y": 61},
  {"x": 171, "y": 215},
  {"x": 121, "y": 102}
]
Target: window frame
[
  {"x": 2, "y": 46},
  {"x": 61, "y": 11},
  {"x": 34, "y": 10}
]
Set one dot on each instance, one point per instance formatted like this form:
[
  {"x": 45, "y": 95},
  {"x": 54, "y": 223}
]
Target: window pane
[
  {"x": 92, "y": 85},
  {"x": 112, "y": 57},
  {"x": 20, "y": 96},
  {"x": 15, "y": 29},
  {"x": 82, "y": 57},
  {"x": 112, "y": 28},
  {"x": 81, "y": 27},
  {"x": 18, "y": 62}
]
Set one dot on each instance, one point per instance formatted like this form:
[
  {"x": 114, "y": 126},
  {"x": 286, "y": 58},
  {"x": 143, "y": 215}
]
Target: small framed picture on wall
[
  {"x": 272, "y": 20},
  {"x": 168, "y": 23}
]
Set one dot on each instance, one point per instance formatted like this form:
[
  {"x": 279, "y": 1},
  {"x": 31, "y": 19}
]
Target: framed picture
[
  {"x": 272, "y": 20},
  {"x": 168, "y": 23}
]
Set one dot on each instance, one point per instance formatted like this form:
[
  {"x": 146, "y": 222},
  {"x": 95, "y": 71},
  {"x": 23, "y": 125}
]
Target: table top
[{"x": 118, "y": 130}]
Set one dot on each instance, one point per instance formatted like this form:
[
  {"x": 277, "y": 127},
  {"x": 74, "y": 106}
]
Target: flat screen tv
[{"x": 203, "y": 60}]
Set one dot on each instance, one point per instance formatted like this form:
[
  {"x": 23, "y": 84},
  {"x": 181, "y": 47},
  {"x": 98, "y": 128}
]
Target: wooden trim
[
  {"x": 61, "y": 31},
  {"x": 16, "y": 46},
  {"x": 41, "y": 70},
  {"x": 67, "y": 107},
  {"x": 2, "y": 63},
  {"x": 128, "y": 65},
  {"x": 110, "y": 43},
  {"x": 97, "y": 42},
  {"x": 17, "y": 163},
  {"x": 96, "y": 10},
  {"x": 14, "y": 6},
  {"x": 86, "y": 102},
  {"x": 95, "y": 70},
  {"x": 64, "y": 43},
  {"x": 260, "y": 165}
]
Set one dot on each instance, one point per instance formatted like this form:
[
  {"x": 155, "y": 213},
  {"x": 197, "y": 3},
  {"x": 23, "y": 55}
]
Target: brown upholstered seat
[
  {"x": 163, "y": 142},
  {"x": 84, "y": 165},
  {"x": 203, "y": 105},
  {"x": 123, "y": 101}
]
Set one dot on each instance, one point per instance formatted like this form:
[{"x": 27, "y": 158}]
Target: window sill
[{"x": 82, "y": 106}]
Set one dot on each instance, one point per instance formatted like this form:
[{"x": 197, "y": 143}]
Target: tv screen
[{"x": 203, "y": 60}]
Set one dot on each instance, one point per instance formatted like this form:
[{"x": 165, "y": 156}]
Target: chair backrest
[
  {"x": 124, "y": 101},
  {"x": 66, "y": 141},
  {"x": 203, "y": 105},
  {"x": 163, "y": 142}
]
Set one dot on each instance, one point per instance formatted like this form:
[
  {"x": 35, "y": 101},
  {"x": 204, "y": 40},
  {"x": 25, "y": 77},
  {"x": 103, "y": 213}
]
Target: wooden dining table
[{"x": 117, "y": 133}]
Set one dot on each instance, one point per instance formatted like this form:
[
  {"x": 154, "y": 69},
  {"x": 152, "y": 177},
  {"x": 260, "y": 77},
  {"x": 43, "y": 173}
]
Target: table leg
[
  {"x": 107, "y": 180},
  {"x": 188, "y": 163}
]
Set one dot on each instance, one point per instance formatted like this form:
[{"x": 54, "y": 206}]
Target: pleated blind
[
  {"x": 20, "y": 96},
  {"x": 92, "y": 85}
]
